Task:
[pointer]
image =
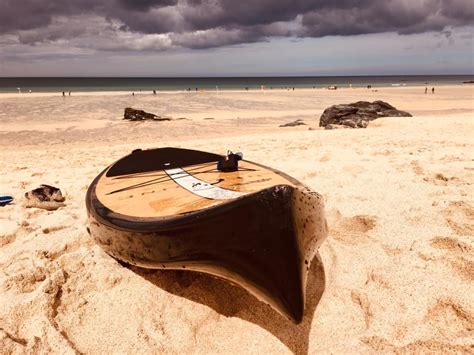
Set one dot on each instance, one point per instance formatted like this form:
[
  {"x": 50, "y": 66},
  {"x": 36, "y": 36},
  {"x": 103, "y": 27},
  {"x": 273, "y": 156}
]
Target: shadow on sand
[{"x": 232, "y": 301}]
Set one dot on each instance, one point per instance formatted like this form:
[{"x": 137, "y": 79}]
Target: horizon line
[{"x": 230, "y": 76}]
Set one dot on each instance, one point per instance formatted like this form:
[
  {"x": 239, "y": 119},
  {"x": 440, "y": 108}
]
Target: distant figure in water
[
  {"x": 154, "y": 92},
  {"x": 29, "y": 91},
  {"x": 19, "y": 90},
  {"x": 432, "y": 90},
  {"x": 426, "y": 90}
]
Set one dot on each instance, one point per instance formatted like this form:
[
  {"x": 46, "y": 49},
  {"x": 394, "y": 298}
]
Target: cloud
[{"x": 164, "y": 24}]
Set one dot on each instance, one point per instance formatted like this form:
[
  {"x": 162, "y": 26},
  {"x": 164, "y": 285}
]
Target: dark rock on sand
[
  {"x": 294, "y": 123},
  {"x": 46, "y": 197},
  {"x": 358, "y": 114},
  {"x": 140, "y": 115}
]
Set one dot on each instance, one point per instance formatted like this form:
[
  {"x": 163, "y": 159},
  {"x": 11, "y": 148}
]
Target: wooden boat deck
[{"x": 168, "y": 192}]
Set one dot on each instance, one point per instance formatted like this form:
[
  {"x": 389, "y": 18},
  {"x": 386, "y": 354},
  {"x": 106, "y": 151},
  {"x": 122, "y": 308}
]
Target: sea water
[{"x": 56, "y": 84}]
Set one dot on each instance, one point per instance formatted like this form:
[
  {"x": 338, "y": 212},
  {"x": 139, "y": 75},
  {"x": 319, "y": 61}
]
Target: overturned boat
[{"x": 172, "y": 208}]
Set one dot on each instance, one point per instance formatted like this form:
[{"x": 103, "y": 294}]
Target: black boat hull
[{"x": 263, "y": 241}]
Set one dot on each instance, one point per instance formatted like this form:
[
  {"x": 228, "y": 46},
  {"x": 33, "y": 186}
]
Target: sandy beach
[{"x": 396, "y": 273}]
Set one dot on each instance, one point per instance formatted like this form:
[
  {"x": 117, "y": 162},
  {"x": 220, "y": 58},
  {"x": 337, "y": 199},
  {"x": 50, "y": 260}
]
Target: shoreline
[{"x": 4, "y": 95}]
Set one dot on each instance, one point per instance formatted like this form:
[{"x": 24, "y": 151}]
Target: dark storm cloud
[
  {"x": 30, "y": 14},
  {"x": 144, "y": 5},
  {"x": 161, "y": 24}
]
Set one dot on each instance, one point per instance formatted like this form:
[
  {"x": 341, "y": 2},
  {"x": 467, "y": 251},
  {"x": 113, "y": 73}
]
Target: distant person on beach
[
  {"x": 154, "y": 92},
  {"x": 29, "y": 91},
  {"x": 64, "y": 94},
  {"x": 133, "y": 94},
  {"x": 432, "y": 90},
  {"x": 426, "y": 90},
  {"x": 69, "y": 93}
]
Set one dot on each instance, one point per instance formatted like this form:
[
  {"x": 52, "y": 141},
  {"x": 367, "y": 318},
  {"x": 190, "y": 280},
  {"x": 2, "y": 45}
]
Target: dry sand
[{"x": 396, "y": 273}]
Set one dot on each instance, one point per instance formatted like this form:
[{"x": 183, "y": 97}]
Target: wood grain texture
[{"x": 155, "y": 194}]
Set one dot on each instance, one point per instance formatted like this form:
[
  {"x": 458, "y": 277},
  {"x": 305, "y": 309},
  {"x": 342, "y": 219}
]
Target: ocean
[{"x": 54, "y": 84}]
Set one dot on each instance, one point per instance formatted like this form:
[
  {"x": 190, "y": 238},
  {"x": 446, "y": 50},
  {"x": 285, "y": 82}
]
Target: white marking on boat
[{"x": 200, "y": 187}]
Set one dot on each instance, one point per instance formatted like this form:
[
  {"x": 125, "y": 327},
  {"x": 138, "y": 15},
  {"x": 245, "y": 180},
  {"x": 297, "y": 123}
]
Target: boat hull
[{"x": 263, "y": 241}]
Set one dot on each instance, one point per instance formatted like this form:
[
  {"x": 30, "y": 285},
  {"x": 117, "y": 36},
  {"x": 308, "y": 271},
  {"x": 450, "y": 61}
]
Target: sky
[{"x": 167, "y": 38}]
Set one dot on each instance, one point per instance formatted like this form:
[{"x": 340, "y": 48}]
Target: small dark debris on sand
[
  {"x": 46, "y": 197},
  {"x": 294, "y": 123},
  {"x": 140, "y": 115}
]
